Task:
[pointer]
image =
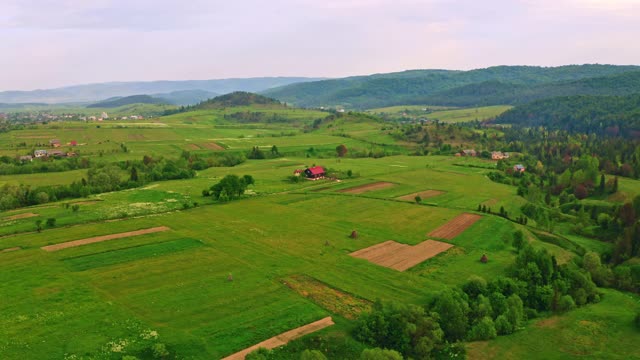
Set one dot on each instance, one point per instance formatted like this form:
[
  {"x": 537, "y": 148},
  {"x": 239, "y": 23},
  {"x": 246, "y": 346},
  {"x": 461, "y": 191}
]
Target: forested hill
[
  {"x": 602, "y": 115},
  {"x": 128, "y": 100},
  {"x": 238, "y": 98},
  {"x": 490, "y": 86}
]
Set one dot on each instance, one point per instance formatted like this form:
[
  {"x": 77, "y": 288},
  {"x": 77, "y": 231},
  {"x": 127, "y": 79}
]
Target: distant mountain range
[
  {"x": 509, "y": 85},
  {"x": 98, "y": 92}
]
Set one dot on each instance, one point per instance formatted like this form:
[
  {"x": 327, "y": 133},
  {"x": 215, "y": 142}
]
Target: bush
[
  {"x": 566, "y": 303},
  {"x": 380, "y": 354},
  {"x": 259, "y": 354},
  {"x": 483, "y": 330},
  {"x": 159, "y": 350},
  {"x": 51, "y": 222},
  {"x": 312, "y": 355},
  {"x": 503, "y": 325}
]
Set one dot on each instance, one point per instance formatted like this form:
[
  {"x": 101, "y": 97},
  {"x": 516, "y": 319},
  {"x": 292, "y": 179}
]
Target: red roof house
[{"x": 315, "y": 172}]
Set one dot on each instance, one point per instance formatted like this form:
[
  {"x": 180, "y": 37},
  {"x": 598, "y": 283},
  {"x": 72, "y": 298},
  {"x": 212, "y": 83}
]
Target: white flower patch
[
  {"x": 149, "y": 334},
  {"x": 117, "y": 346}
]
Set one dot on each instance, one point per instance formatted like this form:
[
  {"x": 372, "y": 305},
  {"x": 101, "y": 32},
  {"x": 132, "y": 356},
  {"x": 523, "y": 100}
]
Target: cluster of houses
[
  {"x": 54, "y": 143},
  {"x": 312, "y": 173},
  {"x": 495, "y": 155}
]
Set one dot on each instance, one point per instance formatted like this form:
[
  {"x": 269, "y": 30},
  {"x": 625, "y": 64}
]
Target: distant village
[
  {"x": 54, "y": 144},
  {"x": 495, "y": 155},
  {"x": 47, "y": 117}
]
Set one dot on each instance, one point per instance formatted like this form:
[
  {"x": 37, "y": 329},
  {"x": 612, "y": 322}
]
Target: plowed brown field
[
  {"x": 212, "y": 146},
  {"x": 20, "y": 216},
  {"x": 455, "y": 227},
  {"x": 96, "y": 239},
  {"x": 366, "y": 187},
  {"x": 401, "y": 256}
]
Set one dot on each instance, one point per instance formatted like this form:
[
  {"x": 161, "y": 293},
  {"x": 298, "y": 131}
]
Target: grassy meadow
[{"x": 214, "y": 283}]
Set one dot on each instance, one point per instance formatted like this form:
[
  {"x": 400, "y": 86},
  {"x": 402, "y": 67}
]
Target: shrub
[
  {"x": 503, "y": 325},
  {"x": 483, "y": 330},
  {"x": 51, "y": 222},
  {"x": 259, "y": 354},
  {"x": 566, "y": 303},
  {"x": 312, "y": 355},
  {"x": 380, "y": 354}
]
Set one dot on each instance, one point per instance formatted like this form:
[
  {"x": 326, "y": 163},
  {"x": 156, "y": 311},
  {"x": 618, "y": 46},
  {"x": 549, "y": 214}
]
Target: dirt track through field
[
  {"x": 20, "y": 216},
  {"x": 367, "y": 187},
  {"x": 284, "y": 338},
  {"x": 455, "y": 227},
  {"x": 401, "y": 256},
  {"x": 423, "y": 194},
  {"x": 212, "y": 146},
  {"x": 96, "y": 239},
  {"x": 10, "y": 249}
]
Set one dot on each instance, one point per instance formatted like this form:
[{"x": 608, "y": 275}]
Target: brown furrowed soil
[
  {"x": 10, "y": 249},
  {"x": 401, "y": 256},
  {"x": 367, "y": 187},
  {"x": 20, "y": 216},
  {"x": 455, "y": 227},
  {"x": 212, "y": 146},
  {"x": 96, "y": 239},
  {"x": 423, "y": 194},
  {"x": 193, "y": 147},
  {"x": 284, "y": 338}
]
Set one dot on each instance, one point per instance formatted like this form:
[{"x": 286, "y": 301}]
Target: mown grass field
[{"x": 215, "y": 283}]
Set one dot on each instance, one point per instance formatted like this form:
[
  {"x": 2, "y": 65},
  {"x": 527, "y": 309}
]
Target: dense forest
[{"x": 491, "y": 86}]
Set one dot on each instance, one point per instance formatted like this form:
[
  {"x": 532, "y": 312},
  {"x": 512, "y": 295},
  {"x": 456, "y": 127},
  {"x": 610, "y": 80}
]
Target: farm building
[
  {"x": 316, "y": 172},
  {"x": 297, "y": 172},
  {"x": 26, "y": 158},
  {"x": 40, "y": 153},
  {"x": 54, "y": 143},
  {"x": 73, "y": 143},
  {"x": 499, "y": 155},
  {"x": 57, "y": 153},
  {"x": 469, "y": 152},
  {"x": 519, "y": 168}
]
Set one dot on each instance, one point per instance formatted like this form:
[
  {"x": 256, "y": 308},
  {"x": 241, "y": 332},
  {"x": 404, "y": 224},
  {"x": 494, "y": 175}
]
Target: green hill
[
  {"x": 490, "y": 86},
  {"x": 238, "y": 98},
  {"x": 128, "y": 100}
]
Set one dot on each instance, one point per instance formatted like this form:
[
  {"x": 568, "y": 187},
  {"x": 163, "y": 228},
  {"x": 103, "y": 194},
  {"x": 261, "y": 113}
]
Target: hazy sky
[{"x": 50, "y": 43}]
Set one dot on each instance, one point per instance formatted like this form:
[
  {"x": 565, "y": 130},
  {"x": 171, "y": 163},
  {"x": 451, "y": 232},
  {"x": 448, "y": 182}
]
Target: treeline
[
  {"x": 13, "y": 166},
  {"x": 479, "y": 309},
  {"x": 244, "y": 117}
]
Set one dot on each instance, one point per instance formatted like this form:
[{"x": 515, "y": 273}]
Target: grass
[{"x": 469, "y": 114}]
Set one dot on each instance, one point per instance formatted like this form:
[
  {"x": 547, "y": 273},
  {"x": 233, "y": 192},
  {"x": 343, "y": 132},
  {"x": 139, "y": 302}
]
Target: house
[
  {"x": 40, "y": 153},
  {"x": 54, "y": 143},
  {"x": 57, "y": 153},
  {"x": 73, "y": 143},
  {"x": 499, "y": 155},
  {"x": 519, "y": 168},
  {"x": 104, "y": 115},
  {"x": 297, "y": 172},
  {"x": 26, "y": 158},
  {"x": 316, "y": 172},
  {"x": 469, "y": 152},
  {"x": 71, "y": 154}
]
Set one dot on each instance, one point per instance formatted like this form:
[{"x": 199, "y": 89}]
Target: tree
[
  {"x": 503, "y": 325},
  {"x": 418, "y": 199},
  {"x": 259, "y": 354},
  {"x": 637, "y": 320},
  {"x": 312, "y": 354},
  {"x": 274, "y": 150},
  {"x": 380, "y": 354},
  {"x": 42, "y": 197},
  {"x": 75, "y": 208},
  {"x": 566, "y": 303},
  {"x": 51, "y": 222},
  {"x": 453, "y": 310},
  {"x": 603, "y": 183},
  {"x": 134, "y": 174},
  {"x": 231, "y": 187},
  {"x": 580, "y": 191},
  {"x": 341, "y": 150},
  {"x": 483, "y": 330},
  {"x": 39, "y": 225},
  {"x": 518, "y": 240}
]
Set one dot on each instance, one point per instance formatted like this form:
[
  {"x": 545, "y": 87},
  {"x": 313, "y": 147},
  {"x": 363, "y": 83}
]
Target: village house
[
  {"x": 40, "y": 153},
  {"x": 469, "y": 152},
  {"x": 73, "y": 143},
  {"x": 316, "y": 172},
  {"x": 297, "y": 172},
  {"x": 54, "y": 143},
  {"x": 519, "y": 168},
  {"x": 57, "y": 153},
  {"x": 25, "y": 158},
  {"x": 499, "y": 155}
]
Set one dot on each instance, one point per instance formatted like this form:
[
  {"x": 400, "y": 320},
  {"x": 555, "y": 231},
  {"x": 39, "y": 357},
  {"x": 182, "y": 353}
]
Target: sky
[{"x": 53, "y": 43}]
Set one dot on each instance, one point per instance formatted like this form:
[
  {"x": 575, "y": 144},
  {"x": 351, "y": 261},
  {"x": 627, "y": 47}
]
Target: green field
[{"x": 214, "y": 283}]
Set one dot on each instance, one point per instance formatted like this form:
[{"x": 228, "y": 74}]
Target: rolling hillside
[{"x": 128, "y": 100}]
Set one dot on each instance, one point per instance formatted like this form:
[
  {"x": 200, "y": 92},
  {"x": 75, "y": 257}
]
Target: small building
[
  {"x": 40, "y": 153},
  {"x": 519, "y": 168},
  {"x": 54, "y": 143},
  {"x": 297, "y": 172},
  {"x": 499, "y": 155},
  {"x": 316, "y": 172},
  {"x": 469, "y": 152},
  {"x": 73, "y": 143},
  {"x": 57, "y": 153},
  {"x": 71, "y": 154},
  {"x": 25, "y": 158}
]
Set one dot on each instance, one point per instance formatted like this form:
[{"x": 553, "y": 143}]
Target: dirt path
[
  {"x": 423, "y": 194},
  {"x": 10, "y": 249},
  {"x": 401, "y": 256},
  {"x": 283, "y": 338},
  {"x": 455, "y": 227},
  {"x": 367, "y": 187},
  {"x": 96, "y": 239},
  {"x": 19, "y": 216}
]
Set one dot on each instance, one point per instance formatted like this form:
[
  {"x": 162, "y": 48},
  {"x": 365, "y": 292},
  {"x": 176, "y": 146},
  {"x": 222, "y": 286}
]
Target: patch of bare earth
[
  {"x": 193, "y": 147},
  {"x": 88, "y": 202},
  {"x": 551, "y": 322},
  {"x": 283, "y": 338},
  {"x": 401, "y": 256},
  {"x": 455, "y": 227},
  {"x": 96, "y": 239},
  {"x": 20, "y": 216},
  {"x": 10, "y": 249},
  {"x": 367, "y": 187},
  {"x": 423, "y": 194},
  {"x": 213, "y": 146},
  {"x": 334, "y": 300}
]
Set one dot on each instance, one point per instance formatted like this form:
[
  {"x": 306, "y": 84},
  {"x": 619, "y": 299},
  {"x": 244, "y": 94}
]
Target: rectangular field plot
[
  {"x": 423, "y": 194},
  {"x": 401, "y": 256},
  {"x": 101, "y": 238},
  {"x": 367, "y": 187},
  {"x": 455, "y": 227},
  {"x": 113, "y": 257}
]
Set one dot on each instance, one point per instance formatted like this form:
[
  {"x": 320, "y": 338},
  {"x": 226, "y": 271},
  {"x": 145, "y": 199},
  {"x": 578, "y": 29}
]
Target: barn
[{"x": 316, "y": 172}]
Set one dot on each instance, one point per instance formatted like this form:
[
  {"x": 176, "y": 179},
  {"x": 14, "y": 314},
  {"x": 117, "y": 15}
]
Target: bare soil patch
[
  {"x": 334, "y": 300},
  {"x": 96, "y": 239},
  {"x": 193, "y": 147},
  {"x": 283, "y": 338},
  {"x": 423, "y": 194},
  {"x": 367, "y": 187},
  {"x": 20, "y": 216},
  {"x": 213, "y": 146},
  {"x": 455, "y": 227},
  {"x": 136, "y": 137},
  {"x": 401, "y": 256},
  {"x": 10, "y": 249},
  {"x": 88, "y": 202},
  {"x": 36, "y": 137}
]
